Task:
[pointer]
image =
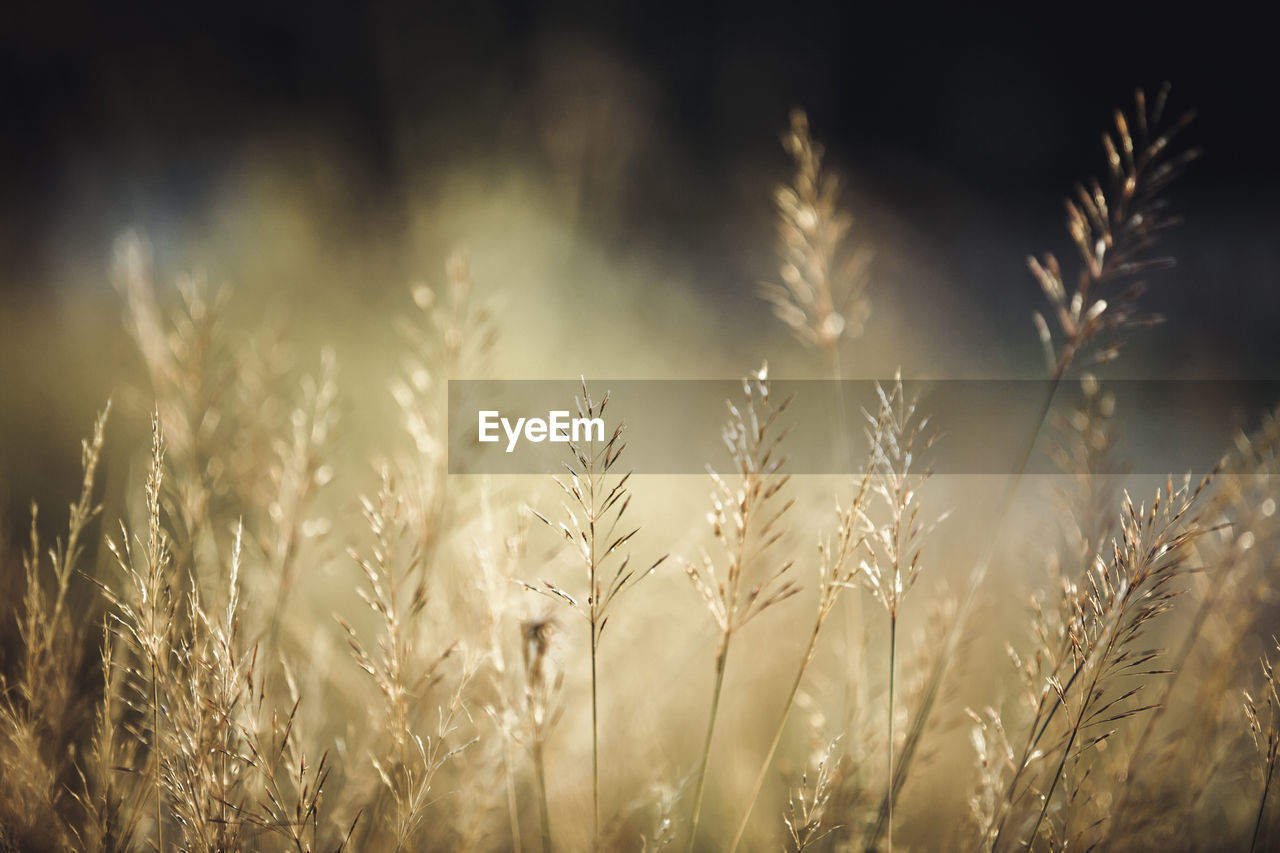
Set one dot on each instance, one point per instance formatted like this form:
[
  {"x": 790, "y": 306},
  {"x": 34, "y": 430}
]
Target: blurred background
[{"x": 610, "y": 169}]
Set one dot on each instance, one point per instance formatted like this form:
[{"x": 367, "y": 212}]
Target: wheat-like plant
[
  {"x": 822, "y": 297},
  {"x": 37, "y": 710},
  {"x": 1115, "y": 231},
  {"x": 745, "y": 524},
  {"x": 595, "y": 507},
  {"x": 147, "y": 615},
  {"x": 1096, "y": 675},
  {"x": 894, "y": 563},
  {"x": 404, "y": 671},
  {"x": 805, "y": 817}
]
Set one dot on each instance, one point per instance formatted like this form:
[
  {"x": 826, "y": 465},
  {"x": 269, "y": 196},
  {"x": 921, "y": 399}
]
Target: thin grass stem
[{"x": 722, "y": 657}]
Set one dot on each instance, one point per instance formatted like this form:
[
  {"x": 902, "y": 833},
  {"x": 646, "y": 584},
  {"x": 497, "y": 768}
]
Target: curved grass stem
[
  {"x": 777, "y": 739},
  {"x": 722, "y": 656}
]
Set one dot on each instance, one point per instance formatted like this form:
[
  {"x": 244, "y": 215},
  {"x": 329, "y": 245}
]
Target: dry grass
[
  {"x": 199, "y": 696},
  {"x": 596, "y": 504}
]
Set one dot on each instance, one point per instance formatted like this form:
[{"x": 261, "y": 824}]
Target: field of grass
[{"x": 271, "y": 619}]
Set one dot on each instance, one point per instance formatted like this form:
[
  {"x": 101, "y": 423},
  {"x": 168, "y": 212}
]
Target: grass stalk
[
  {"x": 513, "y": 812},
  {"x": 595, "y": 511},
  {"x": 1066, "y": 750},
  {"x": 834, "y": 576},
  {"x": 595, "y": 738},
  {"x": 158, "y": 759},
  {"x": 722, "y": 656},
  {"x": 893, "y": 654},
  {"x": 777, "y": 739},
  {"x": 544, "y": 810},
  {"x": 592, "y": 568},
  {"x": 1262, "y": 807},
  {"x": 977, "y": 577}
]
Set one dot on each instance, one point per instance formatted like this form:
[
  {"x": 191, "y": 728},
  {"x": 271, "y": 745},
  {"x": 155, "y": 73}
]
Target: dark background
[{"x": 123, "y": 112}]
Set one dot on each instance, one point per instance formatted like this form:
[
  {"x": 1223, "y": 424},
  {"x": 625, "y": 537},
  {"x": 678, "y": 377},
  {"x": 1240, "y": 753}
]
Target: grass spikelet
[
  {"x": 745, "y": 524},
  {"x": 1115, "y": 232},
  {"x": 1099, "y": 672},
  {"x": 894, "y": 564},
  {"x": 822, "y": 297},
  {"x": 594, "y": 509},
  {"x": 404, "y": 672},
  {"x": 806, "y": 812},
  {"x": 39, "y": 709},
  {"x": 147, "y": 617}
]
